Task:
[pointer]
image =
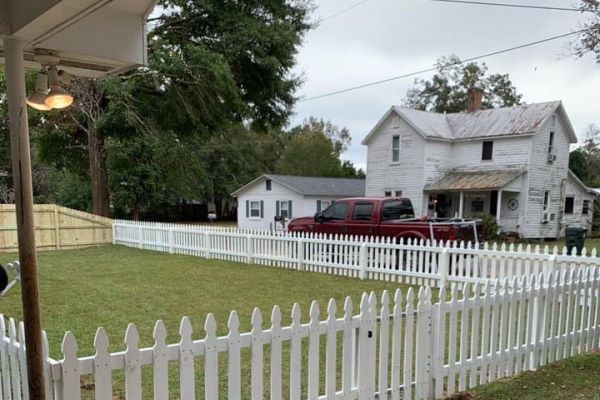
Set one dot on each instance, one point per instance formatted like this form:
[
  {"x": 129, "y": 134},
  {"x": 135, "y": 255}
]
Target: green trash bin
[{"x": 575, "y": 237}]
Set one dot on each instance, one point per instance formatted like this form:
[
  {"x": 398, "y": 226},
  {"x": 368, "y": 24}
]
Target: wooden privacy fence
[
  {"x": 56, "y": 228},
  {"x": 398, "y": 348},
  {"x": 413, "y": 262}
]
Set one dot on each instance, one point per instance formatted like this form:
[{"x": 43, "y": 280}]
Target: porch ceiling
[{"x": 488, "y": 180}]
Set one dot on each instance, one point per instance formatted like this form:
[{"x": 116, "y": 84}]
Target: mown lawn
[
  {"x": 111, "y": 286},
  {"x": 576, "y": 378}
]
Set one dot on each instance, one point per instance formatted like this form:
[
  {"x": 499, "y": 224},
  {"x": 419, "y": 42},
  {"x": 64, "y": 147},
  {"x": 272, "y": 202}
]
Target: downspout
[{"x": 561, "y": 210}]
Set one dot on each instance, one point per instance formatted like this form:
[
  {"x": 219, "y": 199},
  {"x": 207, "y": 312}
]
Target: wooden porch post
[
  {"x": 498, "y": 206},
  {"x": 461, "y": 204}
]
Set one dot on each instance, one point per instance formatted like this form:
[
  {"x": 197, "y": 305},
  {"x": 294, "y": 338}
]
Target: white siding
[
  {"x": 302, "y": 206},
  {"x": 543, "y": 176},
  {"x": 507, "y": 153},
  {"x": 407, "y": 174},
  {"x": 577, "y": 218}
]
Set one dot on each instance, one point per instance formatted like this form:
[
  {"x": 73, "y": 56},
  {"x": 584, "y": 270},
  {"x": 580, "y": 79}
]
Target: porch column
[
  {"x": 21, "y": 165},
  {"x": 499, "y": 205},
  {"x": 461, "y": 204}
]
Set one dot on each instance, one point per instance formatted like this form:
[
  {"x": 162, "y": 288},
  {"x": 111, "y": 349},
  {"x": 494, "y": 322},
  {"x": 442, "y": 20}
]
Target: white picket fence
[
  {"x": 412, "y": 262},
  {"x": 398, "y": 348}
]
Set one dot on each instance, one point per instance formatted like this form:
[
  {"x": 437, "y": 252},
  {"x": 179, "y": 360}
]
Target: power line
[
  {"x": 342, "y": 11},
  {"x": 486, "y": 3},
  {"x": 435, "y": 68}
]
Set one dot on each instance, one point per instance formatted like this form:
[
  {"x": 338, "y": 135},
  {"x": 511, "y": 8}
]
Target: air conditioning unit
[
  {"x": 545, "y": 218},
  {"x": 551, "y": 157}
]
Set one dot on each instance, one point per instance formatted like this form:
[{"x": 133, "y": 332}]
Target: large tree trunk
[{"x": 98, "y": 174}]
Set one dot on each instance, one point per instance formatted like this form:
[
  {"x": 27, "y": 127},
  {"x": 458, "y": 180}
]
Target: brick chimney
[{"x": 474, "y": 99}]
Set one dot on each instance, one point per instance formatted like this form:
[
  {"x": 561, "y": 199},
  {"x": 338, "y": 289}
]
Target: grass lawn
[
  {"x": 111, "y": 286},
  {"x": 576, "y": 378}
]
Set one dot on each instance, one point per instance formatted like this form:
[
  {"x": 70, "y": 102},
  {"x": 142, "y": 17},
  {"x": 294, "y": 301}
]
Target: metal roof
[
  {"x": 488, "y": 180},
  {"x": 497, "y": 122},
  {"x": 315, "y": 186}
]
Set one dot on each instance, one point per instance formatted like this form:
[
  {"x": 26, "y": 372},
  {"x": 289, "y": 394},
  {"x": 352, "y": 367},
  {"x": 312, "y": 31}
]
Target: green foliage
[
  {"x": 578, "y": 164},
  {"x": 490, "y": 226},
  {"x": 447, "y": 89},
  {"x": 314, "y": 149}
]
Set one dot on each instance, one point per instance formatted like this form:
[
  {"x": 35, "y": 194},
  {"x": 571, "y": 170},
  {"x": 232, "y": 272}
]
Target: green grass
[
  {"x": 576, "y": 378},
  {"x": 111, "y": 286}
]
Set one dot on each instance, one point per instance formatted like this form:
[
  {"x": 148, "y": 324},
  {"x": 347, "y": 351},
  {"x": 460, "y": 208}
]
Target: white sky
[{"x": 384, "y": 38}]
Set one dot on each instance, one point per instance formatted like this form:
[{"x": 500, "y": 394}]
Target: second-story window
[
  {"x": 395, "y": 148},
  {"x": 551, "y": 143},
  {"x": 487, "y": 150}
]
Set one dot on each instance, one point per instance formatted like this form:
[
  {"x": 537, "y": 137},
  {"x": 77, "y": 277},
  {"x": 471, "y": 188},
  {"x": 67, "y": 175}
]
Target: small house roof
[
  {"x": 520, "y": 120},
  {"x": 315, "y": 186},
  {"x": 484, "y": 180}
]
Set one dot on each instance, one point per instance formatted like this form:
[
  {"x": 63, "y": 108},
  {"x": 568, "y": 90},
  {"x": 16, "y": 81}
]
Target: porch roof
[{"x": 483, "y": 180}]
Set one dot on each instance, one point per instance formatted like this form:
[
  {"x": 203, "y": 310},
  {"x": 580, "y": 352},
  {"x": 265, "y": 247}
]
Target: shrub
[{"x": 491, "y": 229}]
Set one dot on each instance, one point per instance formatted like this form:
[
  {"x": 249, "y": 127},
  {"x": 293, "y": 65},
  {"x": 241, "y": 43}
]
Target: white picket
[
  {"x": 71, "y": 387},
  {"x": 4, "y": 361},
  {"x": 161, "y": 362},
  {"x": 133, "y": 370},
  {"x": 331, "y": 351},
  {"x": 295, "y": 355},
  {"x": 211, "y": 359},
  {"x": 14, "y": 361},
  {"x": 186, "y": 361},
  {"x": 276, "y": 356},
  {"x": 102, "y": 367}
]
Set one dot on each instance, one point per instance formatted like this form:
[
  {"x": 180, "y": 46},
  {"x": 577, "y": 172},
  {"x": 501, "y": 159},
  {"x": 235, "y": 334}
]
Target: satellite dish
[{"x": 3, "y": 278}]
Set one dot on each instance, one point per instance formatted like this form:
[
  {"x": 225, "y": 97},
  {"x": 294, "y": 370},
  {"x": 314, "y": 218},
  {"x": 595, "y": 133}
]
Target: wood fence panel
[{"x": 56, "y": 228}]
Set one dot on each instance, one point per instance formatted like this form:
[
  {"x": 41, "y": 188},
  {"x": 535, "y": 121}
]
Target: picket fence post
[
  {"x": 206, "y": 244},
  {"x": 171, "y": 240},
  {"x": 424, "y": 362},
  {"x": 444, "y": 266},
  {"x": 249, "y": 249},
  {"x": 362, "y": 260},
  {"x": 300, "y": 258},
  {"x": 141, "y": 236},
  {"x": 114, "y": 233}
]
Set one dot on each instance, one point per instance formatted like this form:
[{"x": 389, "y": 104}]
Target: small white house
[
  {"x": 285, "y": 197},
  {"x": 512, "y": 163}
]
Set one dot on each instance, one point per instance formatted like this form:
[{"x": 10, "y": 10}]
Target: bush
[{"x": 491, "y": 229}]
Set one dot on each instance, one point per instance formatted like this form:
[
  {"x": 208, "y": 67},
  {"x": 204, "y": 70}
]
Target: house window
[
  {"x": 395, "y": 148},
  {"x": 477, "y": 205},
  {"x": 323, "y": 204},
  {"x": 388, "y": 193},
  {"x": 569, "y": 205},
  {"x": 255, "y": 209},
  {"x": 487, "y": 150},
  {"x": 337, "y": 211},
  {"x": 586, "y": 207},
  {"x": 551, "y": 143},
  {"x": 546, "y": 200},
  {"x": 285, "y": 209},
  {"x": 398, "y": 193},
  {"x": 268, "y": 184},
  {"x": 362, "y": 212}
]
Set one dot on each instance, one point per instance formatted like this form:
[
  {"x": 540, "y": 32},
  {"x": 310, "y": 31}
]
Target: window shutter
[
  {"x": 247, "y": 208},
  {"x": 290, "y": 209},
  {"x": 277, "y": 208},
  {"x": 262, "y": 209},
  {"x": 318, "y": 205}
]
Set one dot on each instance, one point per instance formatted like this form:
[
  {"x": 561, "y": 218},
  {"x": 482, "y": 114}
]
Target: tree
[
  {"x": 578, "y": 164},
  {"x": 589, "y": 39},
  {"x": 447, "y": 89},
  {"x": 314, "y": 149}
]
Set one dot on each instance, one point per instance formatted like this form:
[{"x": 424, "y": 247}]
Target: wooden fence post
[
  {"x": 363, "y": 261},
  {"x": 141, "y": 236},
  {"x": 300, "y": 257},
  {"x": 56, "y": 227},
  {"x": 206, "y": 244}
]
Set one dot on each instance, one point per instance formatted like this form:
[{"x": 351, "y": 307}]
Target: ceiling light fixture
[
  {"x": 57, "y": 96},
  {"x": 37, "y": 99}
]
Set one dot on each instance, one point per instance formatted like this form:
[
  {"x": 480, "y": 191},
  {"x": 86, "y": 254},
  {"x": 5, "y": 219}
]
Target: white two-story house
[{"x": 510, "y": 162}]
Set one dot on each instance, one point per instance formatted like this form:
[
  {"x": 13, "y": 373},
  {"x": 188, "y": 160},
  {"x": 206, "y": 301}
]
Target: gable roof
[
  {"x": 496, "y": 122},
  {"x": 314, "y": 186},
  {"x": 582, "y": 185}
]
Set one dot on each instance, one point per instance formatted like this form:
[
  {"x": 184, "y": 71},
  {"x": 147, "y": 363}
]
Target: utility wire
[
  {"x": 436, "y": 68},
  {"x": 342, "y": 11},
  {"x": 487, "y": 3}
]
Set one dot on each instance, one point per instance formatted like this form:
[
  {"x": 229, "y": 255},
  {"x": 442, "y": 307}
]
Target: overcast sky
[{"x": 384, "y": 38}]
